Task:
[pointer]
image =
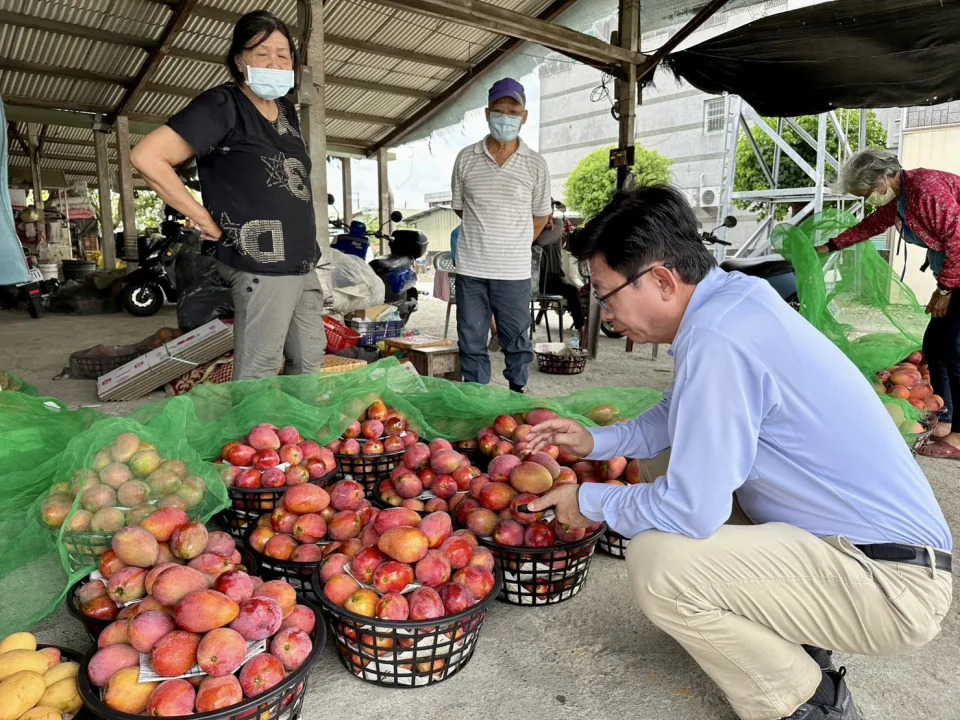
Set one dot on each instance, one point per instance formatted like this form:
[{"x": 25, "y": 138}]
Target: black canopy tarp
[{"x": 846, "y": 54}]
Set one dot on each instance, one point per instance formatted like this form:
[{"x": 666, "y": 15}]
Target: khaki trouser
[
  {"x": 743, "y": 601},
  {"x": 275, "y": 316}
]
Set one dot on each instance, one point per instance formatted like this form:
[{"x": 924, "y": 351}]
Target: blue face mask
[
  {"x": 505, "y": 128},
  {"x": 269, "y": 84}
]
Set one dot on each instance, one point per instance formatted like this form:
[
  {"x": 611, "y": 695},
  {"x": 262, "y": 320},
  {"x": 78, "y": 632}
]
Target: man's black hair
[
  {"x": 251, "y": 30},
  {"x": 642, "y": 227}
]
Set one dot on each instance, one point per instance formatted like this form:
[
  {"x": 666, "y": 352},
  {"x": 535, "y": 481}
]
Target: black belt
[{"x": 909, "y": 554}]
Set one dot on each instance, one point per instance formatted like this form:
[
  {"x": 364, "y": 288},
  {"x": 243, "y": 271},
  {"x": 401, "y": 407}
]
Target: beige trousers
[{"x": 743, "y": 601}]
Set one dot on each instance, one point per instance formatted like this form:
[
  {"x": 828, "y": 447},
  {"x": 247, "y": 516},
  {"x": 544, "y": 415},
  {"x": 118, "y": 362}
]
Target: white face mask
[
  {"x": 879, "y": 200},
  {"x": 269, "y": 84}
]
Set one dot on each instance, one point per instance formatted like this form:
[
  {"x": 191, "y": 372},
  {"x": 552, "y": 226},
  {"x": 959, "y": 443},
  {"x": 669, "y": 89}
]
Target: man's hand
[
  {"x": 562, "y": 432},
  {"x": 567, "y": 506},
  {"x": 939, "y": 304},
  {"x": 823, "y": 250}
]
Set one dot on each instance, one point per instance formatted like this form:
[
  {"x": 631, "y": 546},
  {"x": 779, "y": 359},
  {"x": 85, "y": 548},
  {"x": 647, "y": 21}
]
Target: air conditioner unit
[
  {"x": 692, "y": 195},
  {"x": 710, "y": 196}
]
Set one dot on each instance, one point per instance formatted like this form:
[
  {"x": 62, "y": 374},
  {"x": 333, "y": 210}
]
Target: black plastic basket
[
  {"x": 369, "y": 469},
  {"x": 613, "y": 543},
  {"x": 567, "y": 364},
  {"x": 543, "y": 576},
  {"x": 283, "y": 702},
  {"x": 71, "y": 655},
  {"x": 298, "y": 574},
  {"x": 83, "y": 549},
  {"x": 94, "y": 627},
  {"x": 405, "y": 654},
  {"x": 247, "y": 505}
]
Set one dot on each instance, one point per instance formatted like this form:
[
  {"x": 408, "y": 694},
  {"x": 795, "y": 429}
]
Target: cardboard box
[
  {"x": 168, "y": 362},
  {"x": 371, "y": 313}
]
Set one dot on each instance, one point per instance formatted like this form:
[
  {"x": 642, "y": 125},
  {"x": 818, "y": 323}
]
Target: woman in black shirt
[{"x": 257, "y": 202}]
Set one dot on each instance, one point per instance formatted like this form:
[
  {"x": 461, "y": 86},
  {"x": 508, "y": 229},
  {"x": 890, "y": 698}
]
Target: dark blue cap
[{"x": 508, "y": 87}]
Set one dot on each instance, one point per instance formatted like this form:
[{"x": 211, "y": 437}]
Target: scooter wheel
[
  {"x": 142, "y": 300},
  {"x": 34, "y": 307}
]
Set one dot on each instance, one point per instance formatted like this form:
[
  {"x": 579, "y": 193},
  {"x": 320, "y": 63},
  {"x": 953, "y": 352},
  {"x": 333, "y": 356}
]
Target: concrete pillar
[
  {"x": 126, "y": 190},
  {"x": 33, "y": 131},
  {"x": 106, "y": 206},
  {"x": 347, "y": 173},
  {"x": 313, "y": 122},
  {"x": 384, "y": 202}
]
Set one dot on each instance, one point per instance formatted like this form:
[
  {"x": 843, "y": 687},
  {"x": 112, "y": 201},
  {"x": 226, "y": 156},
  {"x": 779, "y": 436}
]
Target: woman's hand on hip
[
  {"x": 939, "y": 304},
  {"x": 209, "y": 230}
]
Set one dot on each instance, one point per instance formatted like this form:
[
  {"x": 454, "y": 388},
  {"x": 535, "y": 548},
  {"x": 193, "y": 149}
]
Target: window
[{"x": 714, "y": 116}]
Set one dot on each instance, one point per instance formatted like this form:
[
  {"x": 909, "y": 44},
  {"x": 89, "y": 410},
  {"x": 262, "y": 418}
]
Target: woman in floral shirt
[{"x": 925, "y": 206}]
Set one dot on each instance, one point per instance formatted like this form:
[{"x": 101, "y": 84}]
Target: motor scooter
[
  {"x": 31, "y": 292},
  {"x": 147, "y": 287}
]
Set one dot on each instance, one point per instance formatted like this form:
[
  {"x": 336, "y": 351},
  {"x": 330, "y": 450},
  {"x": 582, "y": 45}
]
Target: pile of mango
[{"x": 36, "y": 684}]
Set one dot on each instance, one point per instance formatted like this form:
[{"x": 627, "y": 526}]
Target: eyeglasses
[
  {"x": 602, "y": 300},
  {"x": 506, "y": 113}
]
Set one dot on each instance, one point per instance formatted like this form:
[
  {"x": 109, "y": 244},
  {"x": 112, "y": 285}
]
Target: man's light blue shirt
[{"x": 764, "y": 405}]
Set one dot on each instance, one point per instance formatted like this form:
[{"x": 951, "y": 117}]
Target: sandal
[{"x": 939, "y": 450}]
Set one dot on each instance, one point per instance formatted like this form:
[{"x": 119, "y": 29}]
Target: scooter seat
[
  {"x": 763, "y": 265},
  {"x": 390, "y": 263}
]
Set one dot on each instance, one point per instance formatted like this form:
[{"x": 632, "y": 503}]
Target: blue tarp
[{"x": 13, "y": 266}]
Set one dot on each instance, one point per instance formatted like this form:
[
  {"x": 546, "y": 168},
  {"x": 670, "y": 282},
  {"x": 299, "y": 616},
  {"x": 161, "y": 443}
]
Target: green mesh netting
[
  {"x": 57, "y": 445},
  {"x": 854, "y": 297}
]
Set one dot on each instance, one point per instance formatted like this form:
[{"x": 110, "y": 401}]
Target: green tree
[
  {"x": 750, "y": 176},
  {"x": 593, "y": 183},
  {"x": 147, "y": 207}
]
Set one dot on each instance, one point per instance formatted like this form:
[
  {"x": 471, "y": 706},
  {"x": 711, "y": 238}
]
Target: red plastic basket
[{"x": 339, "y": 336}]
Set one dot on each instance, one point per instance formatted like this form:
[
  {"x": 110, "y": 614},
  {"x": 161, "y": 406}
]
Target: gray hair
[{"x": 860, "y": 173}]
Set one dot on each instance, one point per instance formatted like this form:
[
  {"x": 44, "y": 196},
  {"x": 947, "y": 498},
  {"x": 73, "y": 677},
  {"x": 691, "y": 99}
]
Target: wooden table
[{"x": 432, "y": 360}]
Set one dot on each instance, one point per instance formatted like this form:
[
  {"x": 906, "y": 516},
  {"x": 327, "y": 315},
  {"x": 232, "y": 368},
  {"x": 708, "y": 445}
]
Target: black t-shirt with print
[{"x": 255, "y": 181}]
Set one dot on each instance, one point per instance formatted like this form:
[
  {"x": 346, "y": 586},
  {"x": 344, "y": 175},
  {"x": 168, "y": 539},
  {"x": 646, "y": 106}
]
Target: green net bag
[
  {"x": 11, "y": 383},
  {"x": 855, "y": 298},
  {"x": 112, "y": 474}
]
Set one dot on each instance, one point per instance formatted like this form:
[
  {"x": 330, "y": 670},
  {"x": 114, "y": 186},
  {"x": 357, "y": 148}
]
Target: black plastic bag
[{"x": 202, "y": 295}]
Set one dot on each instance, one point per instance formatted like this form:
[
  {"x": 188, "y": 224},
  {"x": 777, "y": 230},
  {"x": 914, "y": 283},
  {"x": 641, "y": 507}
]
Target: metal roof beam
[
  {"x": 209, "y": 58},
  {"x": 461, "y": 84},
  {"x": 68, "y": 158},
  {"x": 74, "y": 30},
  {"x": 500, "y": 21},
  {"x": 157, "y": 53},
  {"x": 60, "y": 114},
  {"x": 377, "y": 87},
  {"x": 64, "y": 72}
]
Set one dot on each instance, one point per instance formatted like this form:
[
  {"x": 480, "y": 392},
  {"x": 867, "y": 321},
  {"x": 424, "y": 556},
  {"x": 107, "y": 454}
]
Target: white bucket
[{"x": 50, "y": 271}]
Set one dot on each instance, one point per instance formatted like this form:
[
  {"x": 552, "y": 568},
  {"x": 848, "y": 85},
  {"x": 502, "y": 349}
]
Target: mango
[
  {"x": 176, "y": 582},
  {"x": 115, "y": 475},
  {"x": 175, "y": 653},
  {"x": 53, "y": 654},
  {"x": 116, "y": 633},
  {"x": 19, "y": 692},
  {"x": 404, "y": 544},
  {"x": 127, "y": 694},
  {"x": 163, "y": 522},
  {"x": 16, "y": 661},
  {"x": 61, "y": 672},
  {"x": 189, "y": 541},
  {"x": 204, "y": 610},
  {"x": 144, "y": 462},
  {"x": 18, "y": 641},
  {"x": 124, "y": 447},
  {"x": 172, "y": 698},
  {"x": 148, "y": 627},
  {"x": 63, "y": 695},
  {"x": 108, "y": 662},
  {"x": 530, "y": 477}
]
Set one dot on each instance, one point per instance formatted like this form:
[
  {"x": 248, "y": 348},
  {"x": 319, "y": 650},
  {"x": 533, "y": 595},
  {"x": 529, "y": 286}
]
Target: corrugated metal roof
[{"x": 82, "y": 56}]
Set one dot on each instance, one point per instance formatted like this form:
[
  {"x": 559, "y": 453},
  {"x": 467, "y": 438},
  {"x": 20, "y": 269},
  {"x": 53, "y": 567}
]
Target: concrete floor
[{"x": 594, "y": 656}]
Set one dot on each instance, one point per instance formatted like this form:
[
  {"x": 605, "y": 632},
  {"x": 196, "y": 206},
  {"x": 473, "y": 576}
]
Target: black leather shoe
[
  {"x": 842, "y": 707},
  {"x": 823, "y": 658},
  {"x": 518, "y": 388}
]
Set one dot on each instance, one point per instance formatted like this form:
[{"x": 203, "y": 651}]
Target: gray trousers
[{"x": 275, "y": 317}]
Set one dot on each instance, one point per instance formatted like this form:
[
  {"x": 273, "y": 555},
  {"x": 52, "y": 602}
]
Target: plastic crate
[
  {"x": 374, "y": 331},
  {"x": 339, "y": 336}
]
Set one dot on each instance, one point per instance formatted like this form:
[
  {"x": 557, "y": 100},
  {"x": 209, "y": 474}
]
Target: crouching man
[{"x": 848, "y": 549}]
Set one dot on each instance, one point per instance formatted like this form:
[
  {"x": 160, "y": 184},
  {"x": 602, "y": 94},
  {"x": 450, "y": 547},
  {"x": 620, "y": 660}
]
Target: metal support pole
[
  {"x": 862, "y": 137},
  {"x": 315, "y": 127},
  {"x": 346, "y": 169},
  {"x": 107, "y": 246},
  {"x": 734, "y": 120},
  {"x": 383, "y": 195},
  {"x": 821, "y": 162},
  {"x": 126, "y": 191},
  {"x": 33, "y": 131}
]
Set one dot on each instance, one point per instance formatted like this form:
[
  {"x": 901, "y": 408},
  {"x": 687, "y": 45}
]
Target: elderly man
[
  {"x": 501, "y": 190},
  {"x": 850, "y": 550}
]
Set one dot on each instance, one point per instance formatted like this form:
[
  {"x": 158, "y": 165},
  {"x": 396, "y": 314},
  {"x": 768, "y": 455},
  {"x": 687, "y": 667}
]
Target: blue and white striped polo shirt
[{"x": 498, "y": 206}]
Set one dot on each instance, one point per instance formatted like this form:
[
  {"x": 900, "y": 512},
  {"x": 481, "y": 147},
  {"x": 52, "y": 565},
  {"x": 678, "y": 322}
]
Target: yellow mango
[
  {"x": 61, "y": 671},
  {"x": 63, "y": 695},
  {"x": 16, "y": 660},
  {"x": 19, "y": 692},
  {"x": 18, "y": 641},
  {"x": 42, "y": 712}
]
